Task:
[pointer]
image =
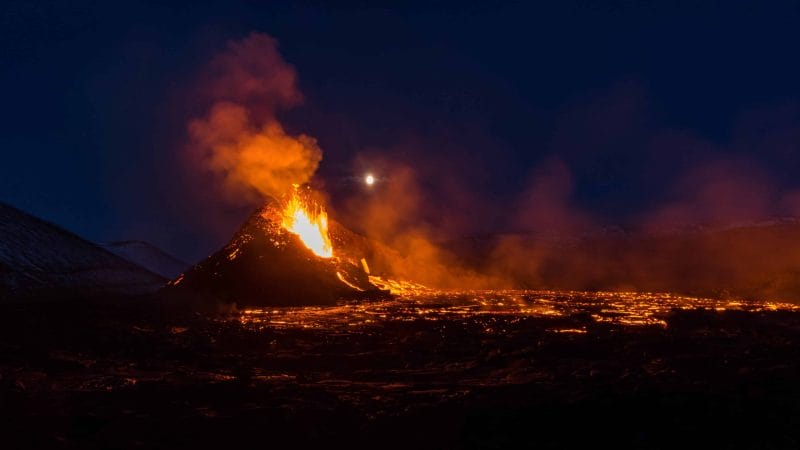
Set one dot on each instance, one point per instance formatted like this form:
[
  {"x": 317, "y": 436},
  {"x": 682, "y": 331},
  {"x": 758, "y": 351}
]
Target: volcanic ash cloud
[{"x": 240, "y": 138}]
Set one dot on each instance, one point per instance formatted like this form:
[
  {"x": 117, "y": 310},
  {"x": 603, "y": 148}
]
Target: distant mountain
[
  {"x": 148, "y": 256},
  {"x": 40, "y": 260}
]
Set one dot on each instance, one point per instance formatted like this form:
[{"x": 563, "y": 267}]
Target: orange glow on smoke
[{"x": 309, "y": 221}]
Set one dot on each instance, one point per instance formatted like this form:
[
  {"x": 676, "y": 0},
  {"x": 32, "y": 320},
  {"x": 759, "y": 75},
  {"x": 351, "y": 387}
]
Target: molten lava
[{"x": 309, "y": 221}]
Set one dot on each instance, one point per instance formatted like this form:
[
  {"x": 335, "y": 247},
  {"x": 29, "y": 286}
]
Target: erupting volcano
[{"x": 283, "y": 255}]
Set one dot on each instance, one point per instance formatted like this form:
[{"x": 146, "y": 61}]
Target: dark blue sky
[{"x": 636, "y": 104}]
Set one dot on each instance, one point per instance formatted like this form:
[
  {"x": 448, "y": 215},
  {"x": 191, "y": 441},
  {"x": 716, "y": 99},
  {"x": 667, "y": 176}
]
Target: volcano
[{"x": 265, "y": 264}]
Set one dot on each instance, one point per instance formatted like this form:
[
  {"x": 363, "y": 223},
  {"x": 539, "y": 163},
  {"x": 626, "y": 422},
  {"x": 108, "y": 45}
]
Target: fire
[{"x": 309, "y": 221}]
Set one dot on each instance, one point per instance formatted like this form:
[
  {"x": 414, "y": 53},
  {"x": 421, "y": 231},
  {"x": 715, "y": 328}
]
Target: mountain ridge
[{"x": 41, "y": 260}]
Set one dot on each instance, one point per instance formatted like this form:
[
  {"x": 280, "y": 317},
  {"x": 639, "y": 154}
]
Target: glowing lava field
[{"x": 429, "y": 369}]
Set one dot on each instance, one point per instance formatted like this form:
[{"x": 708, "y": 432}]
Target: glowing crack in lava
[{"x": 309, "y": 221}]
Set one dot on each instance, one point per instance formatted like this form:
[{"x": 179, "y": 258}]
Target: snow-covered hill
[
  {"x": 39, "y": 260},
  {"x": 148, "y": 256}
]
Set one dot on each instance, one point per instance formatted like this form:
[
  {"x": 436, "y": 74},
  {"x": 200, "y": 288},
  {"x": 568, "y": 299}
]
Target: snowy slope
[
  {"x": 148, "y": 256},
  {"x": 41, "y": 260}
]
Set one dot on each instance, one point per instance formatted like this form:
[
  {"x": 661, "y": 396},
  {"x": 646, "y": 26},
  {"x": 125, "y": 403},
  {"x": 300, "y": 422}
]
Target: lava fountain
[{"x": 309, "y": 221}]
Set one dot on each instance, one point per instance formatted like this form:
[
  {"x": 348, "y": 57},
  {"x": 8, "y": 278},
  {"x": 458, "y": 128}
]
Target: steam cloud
[
  {"x": 240, "y": 138},
  {"x": 395, "y": 215},
  {"x": 699, "y": 228}
]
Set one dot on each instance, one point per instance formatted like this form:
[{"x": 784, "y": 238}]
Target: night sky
[{"x": 580, "y": 112}]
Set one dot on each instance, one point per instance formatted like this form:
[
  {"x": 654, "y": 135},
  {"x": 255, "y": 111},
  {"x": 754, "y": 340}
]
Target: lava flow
[{"x": 309, "y": 221}]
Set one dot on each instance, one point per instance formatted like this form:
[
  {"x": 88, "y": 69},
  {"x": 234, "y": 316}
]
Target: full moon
[{"x": 369, "y": 179}]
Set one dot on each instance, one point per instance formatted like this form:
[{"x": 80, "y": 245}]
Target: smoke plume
[
  {"x": 397, "y": 213},
  {"x": 240, "y": 139}
]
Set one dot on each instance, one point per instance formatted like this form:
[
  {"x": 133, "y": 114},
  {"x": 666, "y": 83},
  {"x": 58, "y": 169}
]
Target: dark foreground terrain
[{"x": 425, "y": 370}]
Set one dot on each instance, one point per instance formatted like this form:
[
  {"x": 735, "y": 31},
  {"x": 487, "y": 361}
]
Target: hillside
[
  {"x": 39, "y": 260},
  {"x": 149, "y": 256}
]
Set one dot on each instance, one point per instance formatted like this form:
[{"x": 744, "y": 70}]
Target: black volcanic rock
[
  {"x": 264, "y": 264},
  {"x": 41, "y": 261}
]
